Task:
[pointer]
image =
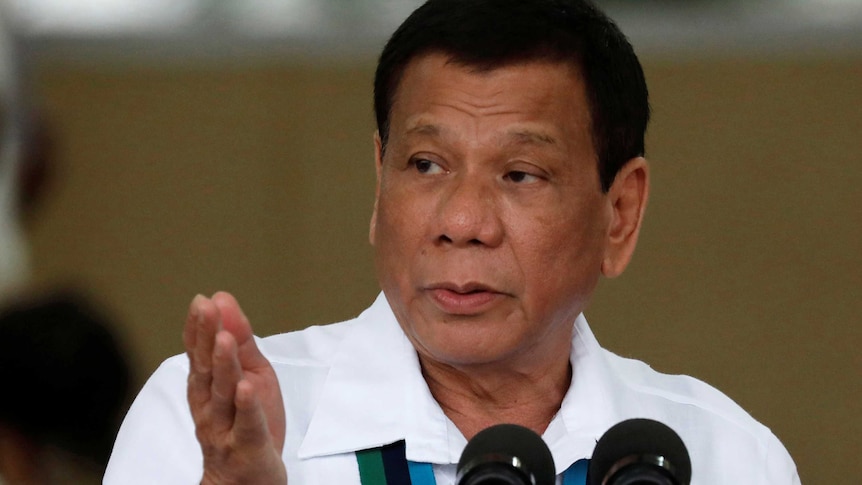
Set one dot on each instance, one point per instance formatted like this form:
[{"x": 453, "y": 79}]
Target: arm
[{"x": 233, "y": 395}]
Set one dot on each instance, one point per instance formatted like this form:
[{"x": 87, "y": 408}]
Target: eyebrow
[
  {"x": 520, "y": 136},
  {"x": 532, "y": 137},
  {"x": 424, "y": 129}
]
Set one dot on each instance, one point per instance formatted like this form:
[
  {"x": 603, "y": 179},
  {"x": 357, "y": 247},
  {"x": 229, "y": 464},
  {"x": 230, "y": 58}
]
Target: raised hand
[{"x": 234, "y": 396}]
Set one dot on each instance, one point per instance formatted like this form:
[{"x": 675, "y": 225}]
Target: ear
[
  {"x": 628, "y": 199},
  {"x": 378, "y": 165}
]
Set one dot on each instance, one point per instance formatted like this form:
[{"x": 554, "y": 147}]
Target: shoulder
[
  {"x": 678, "y": 389},
  {"x": 716, "y": 429},
  {"x": 319, "y": 345},
  {"x": 157, "y": 444},
  {"x": 311, "y": 346}
]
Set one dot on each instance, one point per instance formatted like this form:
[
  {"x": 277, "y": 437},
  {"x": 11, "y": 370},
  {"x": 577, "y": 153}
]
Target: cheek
[
  {"x": 561, "y": 254},
  {"x": 398, "y": 233},
  {"x": 558, "y": 230},
  {"x": 393, "y": 218}
]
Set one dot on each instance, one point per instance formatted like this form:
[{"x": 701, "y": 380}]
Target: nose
[{"x": 468, "y": 214}]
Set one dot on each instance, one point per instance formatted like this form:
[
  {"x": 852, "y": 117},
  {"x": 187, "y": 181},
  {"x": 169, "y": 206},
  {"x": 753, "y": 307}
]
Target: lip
[{"x": 464, "y": 299}]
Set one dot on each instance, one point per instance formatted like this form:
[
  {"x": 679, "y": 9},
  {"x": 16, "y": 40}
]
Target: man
[{"x": 510, "y": 179}]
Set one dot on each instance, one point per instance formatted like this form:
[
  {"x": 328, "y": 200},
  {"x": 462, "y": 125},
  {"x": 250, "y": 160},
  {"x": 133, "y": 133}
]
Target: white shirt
[{"x": 357, "y": 385}]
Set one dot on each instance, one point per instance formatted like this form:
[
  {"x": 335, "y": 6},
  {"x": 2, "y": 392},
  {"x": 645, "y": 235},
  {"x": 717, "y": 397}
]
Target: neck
[{"x": 478, "y": 396}]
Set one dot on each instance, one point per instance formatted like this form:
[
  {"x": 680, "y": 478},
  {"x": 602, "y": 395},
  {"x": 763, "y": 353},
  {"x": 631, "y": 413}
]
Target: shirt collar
[
  {"x": 590, "y": 405},
  {"x": 374, "y": 394},
  {"x": 363, "y": 403}
]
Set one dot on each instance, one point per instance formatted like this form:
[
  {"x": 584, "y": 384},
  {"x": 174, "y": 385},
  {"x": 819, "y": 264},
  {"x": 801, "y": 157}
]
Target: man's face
[{"x": 490, "y": 226}]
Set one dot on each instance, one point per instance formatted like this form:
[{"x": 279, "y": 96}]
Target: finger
[
  {"x": 226, "y": 374},
  {"x": 190, "y": 328},
  {"x": 235, "y": 321},
  {"x": 233, "y": 318},
  {"x": 199, "y": 338},
  {"x": 208, "y": 325},
  {"x": 250, "y": 425}
]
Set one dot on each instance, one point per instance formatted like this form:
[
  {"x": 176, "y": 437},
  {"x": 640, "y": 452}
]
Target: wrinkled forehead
[{"x": 484, "y": 67}]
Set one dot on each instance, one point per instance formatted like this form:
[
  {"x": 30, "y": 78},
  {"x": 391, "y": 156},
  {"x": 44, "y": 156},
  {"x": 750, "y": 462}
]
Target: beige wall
[{"x": 259, "y": 180}]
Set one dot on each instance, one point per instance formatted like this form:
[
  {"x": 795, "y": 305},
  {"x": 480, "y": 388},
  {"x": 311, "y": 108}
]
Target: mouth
[
  {"x": 463, "y": 299},
  {"x": 463, "y": 289}
]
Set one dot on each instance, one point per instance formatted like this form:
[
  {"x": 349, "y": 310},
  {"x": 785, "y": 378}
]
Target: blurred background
[{"x": 199, "y": 145}]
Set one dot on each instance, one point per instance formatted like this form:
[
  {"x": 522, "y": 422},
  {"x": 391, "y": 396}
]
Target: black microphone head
[
  {"x": 506, "y": 454},
  {"x": 643, "y": 448}
]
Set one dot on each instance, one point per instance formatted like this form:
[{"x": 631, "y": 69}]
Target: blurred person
[
  {"x": 66, "y": 384},
  {"x": 511, "y": 179},
  {"x": 64, "y": 377},
  {"x": 24, "y": 158},
  {"x": 13, "y": 252}
]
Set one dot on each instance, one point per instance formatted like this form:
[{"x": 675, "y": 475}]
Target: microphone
[
  {"x": 506, "y": 454},
  {"x": 640, "y": 452}
]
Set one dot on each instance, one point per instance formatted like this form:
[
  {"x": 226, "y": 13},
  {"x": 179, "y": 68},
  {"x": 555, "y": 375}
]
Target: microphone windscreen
[
  {"x": 639, "y": 439},
  {"x": 506, "y": 450}
]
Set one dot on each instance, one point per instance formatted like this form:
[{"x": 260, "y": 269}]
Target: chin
[{"x": 464, "y": 350}]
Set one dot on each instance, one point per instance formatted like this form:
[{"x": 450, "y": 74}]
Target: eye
[
  {"x": 520, "y": 177},
  {"x": 427, "y": 166}
]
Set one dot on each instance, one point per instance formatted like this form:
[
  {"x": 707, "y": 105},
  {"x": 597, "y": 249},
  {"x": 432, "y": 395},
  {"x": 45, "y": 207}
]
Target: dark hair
[
  {"x": 487, "y": 34},
  {"x": 66, "y": 381}
]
